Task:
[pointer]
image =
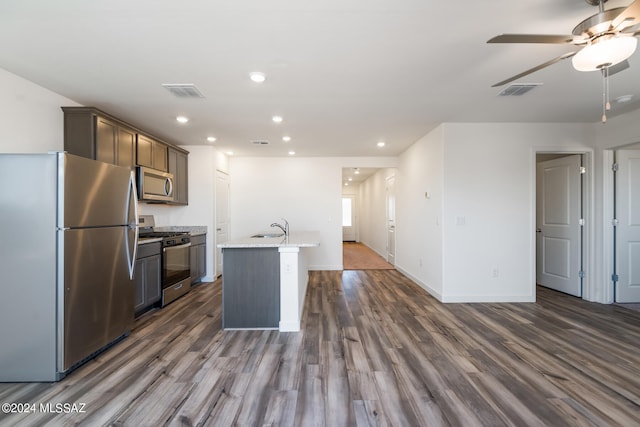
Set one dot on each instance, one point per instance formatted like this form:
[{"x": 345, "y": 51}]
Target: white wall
[
  {"x": 32, "y": 119},
  {"x": 419, "y": 239},
  {"x": 480, "y": 214},
  {"x": 306, "y": 191},
  {"x": 489, "y": 206}
]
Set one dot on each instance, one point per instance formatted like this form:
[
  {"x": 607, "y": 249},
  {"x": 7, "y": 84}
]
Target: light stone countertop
[
  {"x": 298, "y": 239},
  {"x": 194, "y": 230}
]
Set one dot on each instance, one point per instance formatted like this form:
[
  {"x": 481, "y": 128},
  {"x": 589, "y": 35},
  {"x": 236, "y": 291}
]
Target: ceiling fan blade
[
  {"x": 630, "y": 16},
  {"x": 620, "y": 66},
  {"x": 534, "y": 69},
  {"x": 532, "y": 38}
]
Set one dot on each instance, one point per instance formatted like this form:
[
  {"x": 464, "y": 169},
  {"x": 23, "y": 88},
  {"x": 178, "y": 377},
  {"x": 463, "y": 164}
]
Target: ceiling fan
[{"x": 607, "y": 39}]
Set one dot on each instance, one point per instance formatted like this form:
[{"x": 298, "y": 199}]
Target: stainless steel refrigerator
[{"x": 69, "y": 235}]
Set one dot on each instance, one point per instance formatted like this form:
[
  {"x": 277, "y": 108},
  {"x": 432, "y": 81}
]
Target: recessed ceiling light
[
  {"x": 230, "y": 153},
  {"x": 346, "y": 184},
  {"x": 257, "y": 77},
  {"x": 277, "y": 119},
  {"x": 350, "y": 179},
  {"x": 292, "y": 153},
  {"x": 211, "y": 138},
  {"x": 381, "y": 144},
  {"x": 286, "y": 138},
  {"x": 182, "y": 119},
  {"x": 357, "y": 171}
]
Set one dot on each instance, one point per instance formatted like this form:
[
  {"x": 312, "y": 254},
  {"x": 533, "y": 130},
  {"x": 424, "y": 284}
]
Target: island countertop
[{"x": 298, "y": 239}]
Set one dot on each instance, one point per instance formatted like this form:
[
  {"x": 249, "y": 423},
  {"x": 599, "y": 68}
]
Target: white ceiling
[{"x": 344, "y": 74}]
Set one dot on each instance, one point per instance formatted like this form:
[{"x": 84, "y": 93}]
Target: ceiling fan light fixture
[{"x": 604, "y": 52}]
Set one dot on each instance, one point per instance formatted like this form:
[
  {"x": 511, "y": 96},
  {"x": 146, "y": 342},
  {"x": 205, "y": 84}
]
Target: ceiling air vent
[
  {"x": 518, "y": 89},
  {"x": 260, "y": 142},
  {"x": 184, "y": 90}
]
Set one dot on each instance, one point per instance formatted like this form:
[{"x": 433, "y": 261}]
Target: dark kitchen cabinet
[
  {"x": 198, "y": 257},
  {"x": 92, "y": 133},
  {"x": 250, "y": 288},
  {"x": 152, "y": 153},
  {"x": 179, "y": 167},
  {"x": 95, "y": 135},
  {"x": 147, "y": 276}
]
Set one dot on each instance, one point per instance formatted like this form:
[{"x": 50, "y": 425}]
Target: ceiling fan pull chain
[
  {"x": 604, "y": 95},
  {"x": 608, "y": 104}
]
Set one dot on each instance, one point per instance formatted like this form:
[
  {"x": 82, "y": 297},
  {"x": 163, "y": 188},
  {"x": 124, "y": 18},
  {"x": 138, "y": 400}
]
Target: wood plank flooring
[{"x": 376, "y": 350}]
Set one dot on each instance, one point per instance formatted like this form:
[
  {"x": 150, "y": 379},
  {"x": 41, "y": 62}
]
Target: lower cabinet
[
  {"x": 250, "y": 288},
  {"x": 148, "y": 276},
  {"x": 198, "y": 257}
]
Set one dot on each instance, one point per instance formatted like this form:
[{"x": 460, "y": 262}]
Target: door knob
[{"x": 538, "y": 230}]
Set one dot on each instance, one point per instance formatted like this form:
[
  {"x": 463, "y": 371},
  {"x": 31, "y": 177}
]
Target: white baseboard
[
  {"x": 487, "y": 298},
  {"x": 420, "y": 283},
  {"x": 289, "y": 326},
  {"x": 325, "y": 267}
]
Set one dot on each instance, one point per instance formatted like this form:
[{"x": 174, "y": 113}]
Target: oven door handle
[{"x": 186, "y": 245}]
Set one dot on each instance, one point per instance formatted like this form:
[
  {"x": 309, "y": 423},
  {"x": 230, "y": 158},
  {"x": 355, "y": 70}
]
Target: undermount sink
[{"x": 267, "y": 235}]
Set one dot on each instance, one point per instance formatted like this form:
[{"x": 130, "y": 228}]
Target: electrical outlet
[{"x": 495, "y": 272}]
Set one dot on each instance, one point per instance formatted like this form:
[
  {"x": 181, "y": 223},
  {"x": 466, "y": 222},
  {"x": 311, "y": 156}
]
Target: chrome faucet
[{"x": 284, "y": 228}]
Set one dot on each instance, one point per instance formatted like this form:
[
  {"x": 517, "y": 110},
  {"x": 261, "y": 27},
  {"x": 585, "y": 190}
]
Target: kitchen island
[{"x": 264, "y": 280}]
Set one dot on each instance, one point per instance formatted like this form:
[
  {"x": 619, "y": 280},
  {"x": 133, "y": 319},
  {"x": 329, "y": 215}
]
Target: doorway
[
  {"x": 349, "y": 218},
  {"x": 391, "y": 219},
  {"x": 222, "y": 215},
  {"x": 560, "y": 220},
  {"x": 626, "y": 228},
  {"x": 366, "y": 188}
]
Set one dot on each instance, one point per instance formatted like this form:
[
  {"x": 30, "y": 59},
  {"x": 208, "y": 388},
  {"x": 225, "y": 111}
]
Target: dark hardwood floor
[{"x": 375, "y": 350}]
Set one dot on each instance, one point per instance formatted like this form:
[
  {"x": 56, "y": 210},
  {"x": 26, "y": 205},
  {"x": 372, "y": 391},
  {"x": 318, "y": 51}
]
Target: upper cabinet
[
  {"x": 179, "y": 167},
  {"x": 91, "y": 133},
  {"x": 152, "y": 153},
  {"x": 98, "y": 137}
]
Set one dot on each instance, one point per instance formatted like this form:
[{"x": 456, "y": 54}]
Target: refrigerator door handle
[{"x": 132, "y": 224}]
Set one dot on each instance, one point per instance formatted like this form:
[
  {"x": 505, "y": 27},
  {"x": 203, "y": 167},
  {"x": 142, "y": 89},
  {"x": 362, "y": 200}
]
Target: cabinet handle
[{"x": 168, "y": 187}]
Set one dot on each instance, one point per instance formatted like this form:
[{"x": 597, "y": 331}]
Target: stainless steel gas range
[{"x": 176, "y": 263}]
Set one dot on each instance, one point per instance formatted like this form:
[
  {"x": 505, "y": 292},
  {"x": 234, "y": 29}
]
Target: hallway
[{"x": 357, "y": 256}]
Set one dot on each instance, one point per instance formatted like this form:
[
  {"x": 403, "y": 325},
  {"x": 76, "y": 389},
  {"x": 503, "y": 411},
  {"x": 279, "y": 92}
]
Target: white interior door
[
  {"x": 349, "y": 218},
  {"x": 391, "y": 220},
  {"x": 559, "y": 233},
  {"x": 222, "y": 215},
  {"x": 628, "y": 228}
]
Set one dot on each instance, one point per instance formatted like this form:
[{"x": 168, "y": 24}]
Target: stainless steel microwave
[{"x": 154, "y": 185}]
